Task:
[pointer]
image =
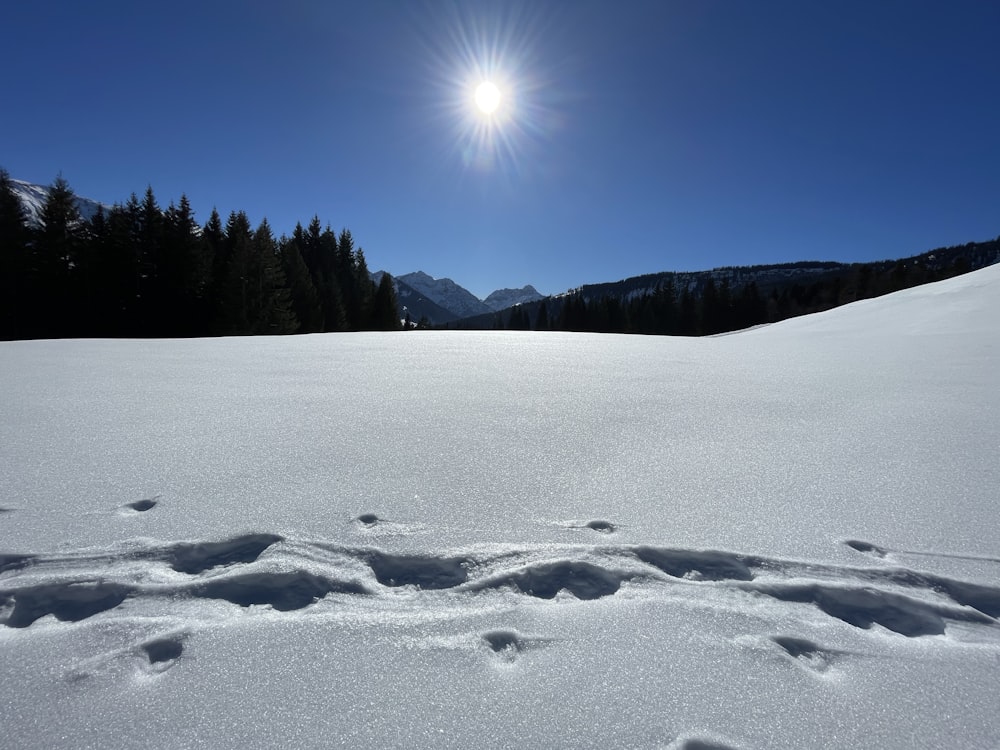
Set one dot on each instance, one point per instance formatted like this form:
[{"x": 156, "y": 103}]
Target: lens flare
[{"x": 494, "y": 88}]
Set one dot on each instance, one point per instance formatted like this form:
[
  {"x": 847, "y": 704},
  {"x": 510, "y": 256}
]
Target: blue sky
[{"x": 631, "y": 136}]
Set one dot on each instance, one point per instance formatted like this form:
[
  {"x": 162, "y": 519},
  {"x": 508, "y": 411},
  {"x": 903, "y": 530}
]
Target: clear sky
[{"x": 630, "y": 137}]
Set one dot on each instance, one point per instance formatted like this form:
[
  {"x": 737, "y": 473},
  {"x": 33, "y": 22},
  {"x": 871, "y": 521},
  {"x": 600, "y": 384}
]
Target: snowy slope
[
  {"x": 33, "y": 198},
  {"x": 782, "y": 538}
]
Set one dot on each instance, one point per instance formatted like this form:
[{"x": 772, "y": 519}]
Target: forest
[{"x": 139, "y": 270}]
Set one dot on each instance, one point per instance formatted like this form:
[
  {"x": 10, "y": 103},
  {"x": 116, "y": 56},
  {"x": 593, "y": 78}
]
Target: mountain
[
  {"x": 457, "y": 300},
  {"x": 417, "y": 305},
  {"x": 33, "y": 197},
  {"x": 501, "y": 299},
  {"x": 446, "y": 293}
]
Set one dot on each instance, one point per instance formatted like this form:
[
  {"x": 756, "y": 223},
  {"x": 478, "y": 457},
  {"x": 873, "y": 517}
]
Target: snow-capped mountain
[
  {"x": 33, "y": 197},
  {"x": 446, "y": 293},
  {"x": 501, "y": 299},
  {"x": 416, "y": 305}
]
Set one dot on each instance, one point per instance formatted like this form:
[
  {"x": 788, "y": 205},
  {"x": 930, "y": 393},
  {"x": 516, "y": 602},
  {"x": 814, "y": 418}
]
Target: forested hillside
[{"x": 728, "y": 299}]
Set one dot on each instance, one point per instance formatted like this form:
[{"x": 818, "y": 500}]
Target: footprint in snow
[
  {"x": 604, "y": 527},
  {"x": 699, "y": 743},
  {"x": 139, "y": 506},
  {"x": 507, "y": 646},
  {"x": 599, "y": 525},
  {"x": 163, "y": 652},
  {"x": 806, "y": 653},
  {"x": 866, "y": 548}
]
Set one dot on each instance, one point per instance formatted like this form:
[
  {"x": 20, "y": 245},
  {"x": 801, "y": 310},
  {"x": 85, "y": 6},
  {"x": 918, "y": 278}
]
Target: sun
[
  {"x": 487, "y": 97},
  {"x": 495, "y": 103}
]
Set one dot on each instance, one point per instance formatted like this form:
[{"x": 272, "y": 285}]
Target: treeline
[
  {"x": 662, "y": 311},
  {"x": 705, "y": 305},
  {"x": 138, "y": 270}
]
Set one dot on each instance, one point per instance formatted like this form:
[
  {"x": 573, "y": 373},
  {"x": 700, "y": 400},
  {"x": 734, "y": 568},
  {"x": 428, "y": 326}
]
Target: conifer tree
[
  {"x": 233, "y": 302},
  {"x": 364, "y": 293},
  {"x": 318, "y": 247},
  {"x": 13, "y": 261},
  {"x": 687, "y": 322},
  {"x": 305, "y": 300},
  {"x": 185, "y": 272},
  {"x": 347, "y": 279},
  {"x": 385, "y": 308},
  {"x": 118, "y": 270},
  {"x": 270, "y": 299},
  {"x": 152, "y": 295},
  {"x": 665, "y": 307},
  {"x": 56, "y": 248},
  {"x": 214, "y": 238},
  {"x": 542, "y": 321}
]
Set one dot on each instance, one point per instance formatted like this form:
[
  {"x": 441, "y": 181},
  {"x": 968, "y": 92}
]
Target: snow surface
[{"x": 782, "y": 538}]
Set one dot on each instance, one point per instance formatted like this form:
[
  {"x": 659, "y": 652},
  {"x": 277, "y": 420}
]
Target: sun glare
[
  {"x": 487, "y": 97},
  {"x": 495, "y": 94}
]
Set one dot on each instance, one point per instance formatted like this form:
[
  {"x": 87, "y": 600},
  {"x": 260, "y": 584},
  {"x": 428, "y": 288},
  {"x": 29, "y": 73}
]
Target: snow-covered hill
[
  {"x": 33, "y": 198},
  {"x": 781, "y": 538}
]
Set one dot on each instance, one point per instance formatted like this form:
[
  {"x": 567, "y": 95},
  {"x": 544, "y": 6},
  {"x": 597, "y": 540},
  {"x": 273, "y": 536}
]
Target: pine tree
[
  {"x": 518, "y": 320},
  {"x": 320, "y": 253},
  {"x": 96, "y": 234},
  {"x": 232, "y": 315},
  {"x": 665, "y": 307},
  {"x": 214, "y": 237},
  {"x": 364, "y": 291},
  {"x": 385, "y": 308},
  {"x": 270, "y": 299},
  {"x": 542, "y": 321},
  {"x": 50, "y": 277},
  {"x": 711, "y": 313},
  {"x": 305, "y": 299},
  {"x": 152, "y": 295},
  {"x": 13, "y": 261},
  {"x": 118, "y": 270},
  {"x": 185, "y": 273},
  {"x": 687, "y": 322},
  {"x": 347, "y": 279}
]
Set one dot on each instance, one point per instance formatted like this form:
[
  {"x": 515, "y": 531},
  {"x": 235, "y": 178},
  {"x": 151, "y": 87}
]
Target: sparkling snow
[{"x": 781, "y": 538}]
